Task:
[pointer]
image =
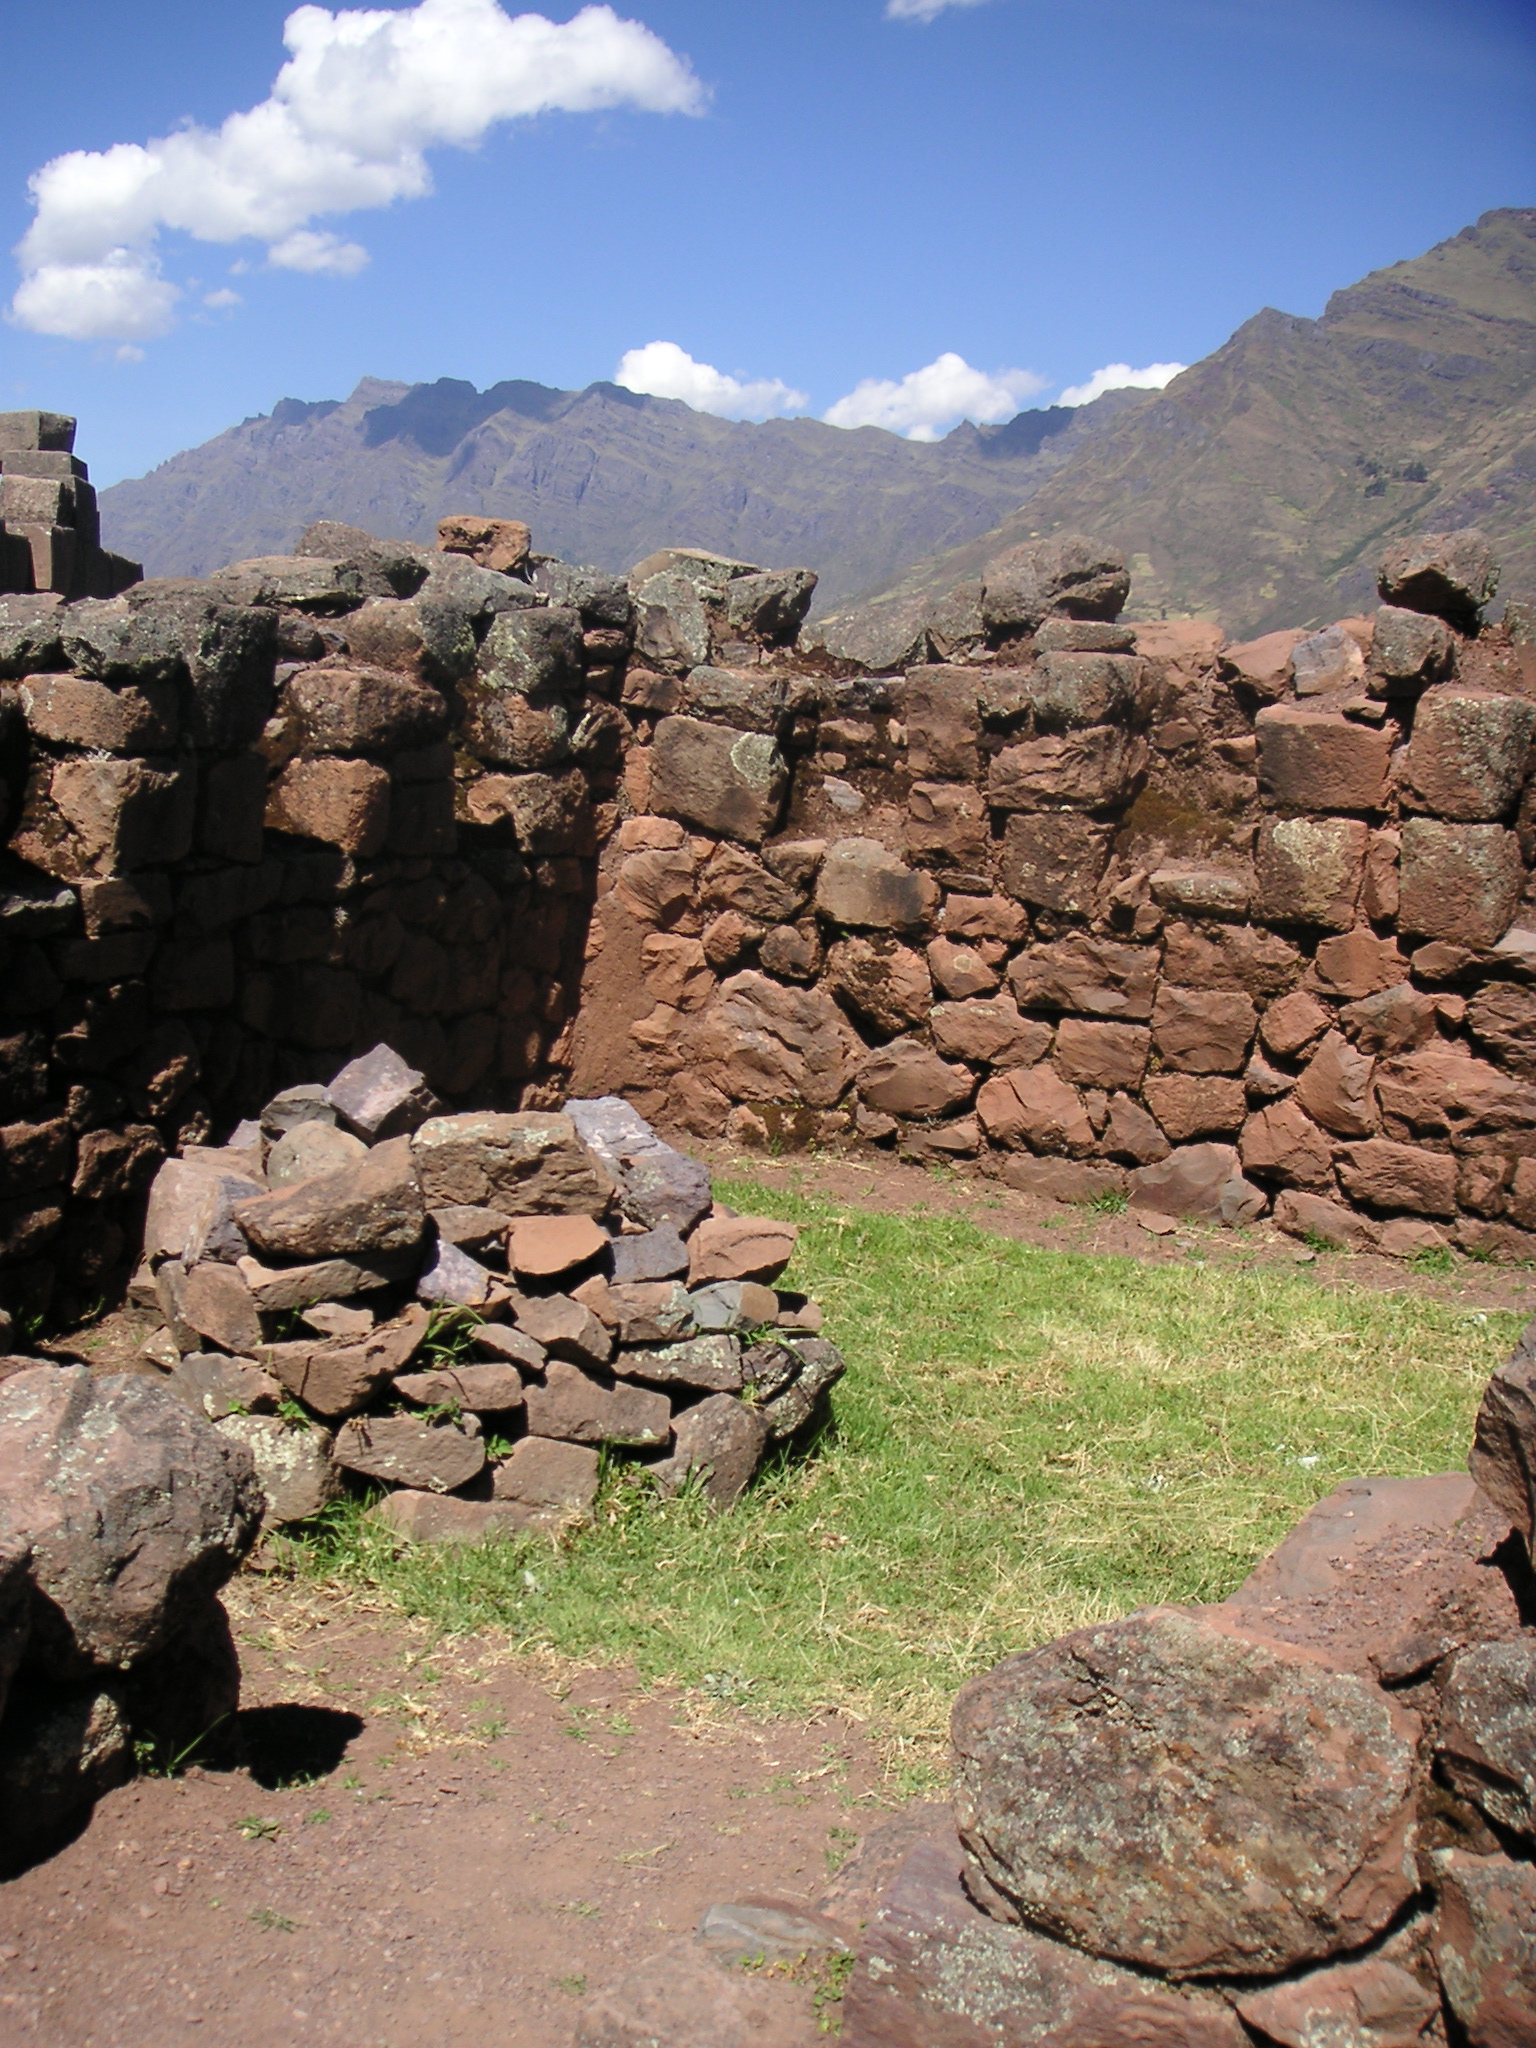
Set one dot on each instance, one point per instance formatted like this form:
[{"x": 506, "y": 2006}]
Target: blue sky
[{"x": 810, "y": 197}]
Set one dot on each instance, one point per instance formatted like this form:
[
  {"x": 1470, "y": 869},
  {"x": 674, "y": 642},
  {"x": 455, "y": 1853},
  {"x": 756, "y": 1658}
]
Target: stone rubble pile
[
  {"x": 50, "y": 534},
  {"x": 469, "y": 1309},
  {"x": 1305, "y": 1818},
  {"x": 121, "y": 1516}
]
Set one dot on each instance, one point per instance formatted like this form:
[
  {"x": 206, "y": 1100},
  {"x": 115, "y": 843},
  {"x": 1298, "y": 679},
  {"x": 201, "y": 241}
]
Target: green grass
[{"x": 1026, "y": 1441}]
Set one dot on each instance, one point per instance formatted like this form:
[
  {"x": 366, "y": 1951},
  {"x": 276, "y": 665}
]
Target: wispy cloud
[
  {"x": 364, "y": 95},
  {"x": 663, "y": 370},
  {"x": 1121, "y": 377},
  {"x": 923, "y": 10},
  {"x": 926, "y": 402}
]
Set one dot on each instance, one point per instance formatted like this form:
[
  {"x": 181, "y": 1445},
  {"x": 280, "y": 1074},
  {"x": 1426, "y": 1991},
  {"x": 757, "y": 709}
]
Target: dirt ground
[{"x": 434, "y": 1845}]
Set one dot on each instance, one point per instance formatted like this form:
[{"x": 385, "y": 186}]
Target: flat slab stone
[
  {"x": 480, "y": 1389},
  {"x": 545, "y": 1473},
  {"x": 541, "y": 1247},
  {"x": 404, "y": 1452},
  {"x": 422, "y": 1517},
  {"x": 657, "y": 1184},
  {"x": 740, "y": 1248},
  {"x": 275, "y": 1288},
  {"x": 1386, "y": 1576},
  {"x": 373, "y": 1206},
  {"x": 658, "y": 1254},
  {"x": 531, "y": 1164},
  {"x": 380, "y": 1096},
  {"x": 582, "y": 1410},
  {"x": 711, "y": 1363}
]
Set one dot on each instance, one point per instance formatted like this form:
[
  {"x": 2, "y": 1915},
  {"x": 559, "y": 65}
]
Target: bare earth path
[
  {"x": 444, "y": 1845},
  {"x": 494, "y": 1842}
]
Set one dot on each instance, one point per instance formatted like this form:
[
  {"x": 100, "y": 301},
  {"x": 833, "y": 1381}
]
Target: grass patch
[{"x": 1026, "y": 1441}]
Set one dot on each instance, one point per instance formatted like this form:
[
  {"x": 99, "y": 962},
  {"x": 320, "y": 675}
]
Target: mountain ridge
[
  {"x": 603, "y": 475},
  {"x": 1261, "y": 486},
  {"x": 1258, "y": 488}
]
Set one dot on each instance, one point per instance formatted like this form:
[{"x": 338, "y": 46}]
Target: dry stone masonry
[
  {"x": 50, "y": 535},
  {"x": 1230, "y": 930}
]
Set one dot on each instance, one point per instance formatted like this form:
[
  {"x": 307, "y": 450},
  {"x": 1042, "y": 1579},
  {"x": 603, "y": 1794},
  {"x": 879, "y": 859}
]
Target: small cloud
[
  {"x": 318, "y": 251},
  {"x": 224, "y": 297},
  {"x": 935, "y": 398},
  {"x": 1121, "y": 377},
  {"x": 923, "y": 10},
  {"x": 127, "y": 353},
  {"x": 122, "y": 297},
  {"x": 663, "y": 370}
]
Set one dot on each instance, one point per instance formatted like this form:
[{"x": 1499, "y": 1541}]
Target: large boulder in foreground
[
  {"x": 136, "y": 1512},
  {"x": 1169, "y": 1793}
]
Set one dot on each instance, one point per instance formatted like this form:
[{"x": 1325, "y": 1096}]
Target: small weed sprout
[{"x": 274, "y": 1923}]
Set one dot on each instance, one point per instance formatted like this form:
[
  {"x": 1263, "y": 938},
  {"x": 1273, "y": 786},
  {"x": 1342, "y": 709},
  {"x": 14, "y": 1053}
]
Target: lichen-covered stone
[
  {"x": 1168, "y": 1794},
  {"x": 1487, "y": 1736}
]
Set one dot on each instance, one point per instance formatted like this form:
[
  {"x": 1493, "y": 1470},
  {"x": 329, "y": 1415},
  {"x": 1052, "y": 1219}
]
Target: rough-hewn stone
[
  {"x": 374, "y": 1206},
  {"x": 1485, "y": 1945},
  {"x": 1486, "y": 1740},
  {"x": 134, "y": 1509},
  {"x": 1317, "y": 761},
  {"x": 1459, "y": 882}
]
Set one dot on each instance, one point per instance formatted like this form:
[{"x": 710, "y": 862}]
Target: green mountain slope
[{"x": 1261, "y": 487}]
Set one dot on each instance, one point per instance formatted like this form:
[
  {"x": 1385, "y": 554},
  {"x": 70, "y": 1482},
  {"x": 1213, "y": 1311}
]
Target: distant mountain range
[
  {"x": 1260, "y": 488},
  {"x": 602, "y": 475},
  {"x": 1263, "y": 485}
]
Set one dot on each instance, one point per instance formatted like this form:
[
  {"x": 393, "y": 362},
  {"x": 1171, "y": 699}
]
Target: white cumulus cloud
[
  {"x": 923, "y": 10},
  {"x": 1121, "y": 377},
  {"x": 928, "y": 401},
  {"x": 365, "y": 93},
  {"x": 663, "y": 370}
]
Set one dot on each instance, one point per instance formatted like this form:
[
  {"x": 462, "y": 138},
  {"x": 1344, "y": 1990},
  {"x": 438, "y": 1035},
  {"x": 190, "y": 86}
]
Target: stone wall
[
  {"x": 1107, "y": 910},
  {"x": 1100, "y": 909},
  {"x": 244, "y": 842}
]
